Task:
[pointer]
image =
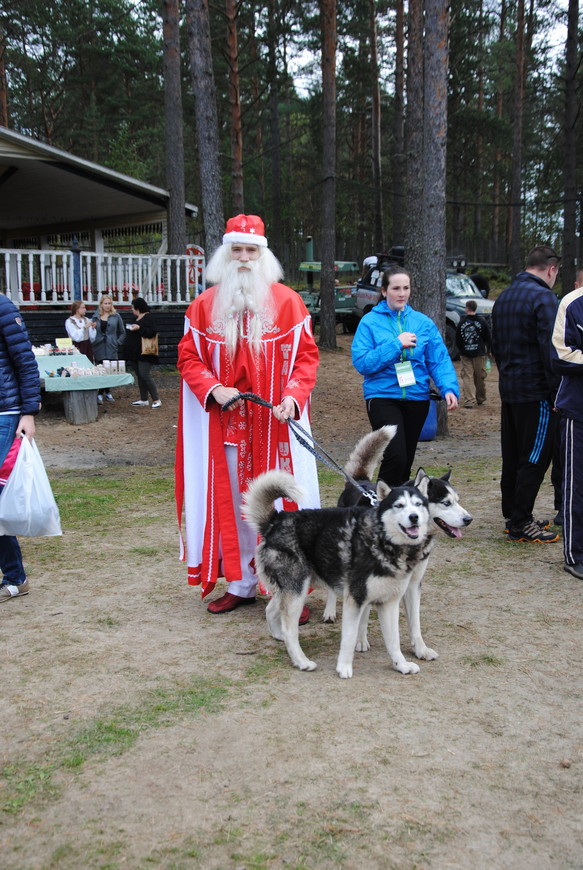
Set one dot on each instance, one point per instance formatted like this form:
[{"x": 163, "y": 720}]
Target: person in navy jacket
[
  {"x": 398, "y": 350},
  {"x": 568, "y": 362},
  {"x": 19, "y": 404}
]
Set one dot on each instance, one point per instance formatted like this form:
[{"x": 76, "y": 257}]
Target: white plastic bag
[{"x": 27, "y": 505}]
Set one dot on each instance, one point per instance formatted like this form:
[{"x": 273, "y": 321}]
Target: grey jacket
[{"x": 106, "y": 345}]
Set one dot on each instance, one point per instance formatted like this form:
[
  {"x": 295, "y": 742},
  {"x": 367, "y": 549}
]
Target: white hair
[
  {"x": 242, "y": 303},
  {"x": 271, "y": 267}
]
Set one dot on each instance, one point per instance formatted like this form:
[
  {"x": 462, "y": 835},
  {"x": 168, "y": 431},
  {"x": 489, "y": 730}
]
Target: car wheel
[{"x": 450, "y": 344}]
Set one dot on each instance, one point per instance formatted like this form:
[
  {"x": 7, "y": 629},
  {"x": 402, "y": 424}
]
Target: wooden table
[{"x": 79, "y": 393}]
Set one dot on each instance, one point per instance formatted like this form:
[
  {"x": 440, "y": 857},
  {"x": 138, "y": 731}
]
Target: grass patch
[
  {"x": 23, "y": 781},
  {"x": 482, "y": 659}
]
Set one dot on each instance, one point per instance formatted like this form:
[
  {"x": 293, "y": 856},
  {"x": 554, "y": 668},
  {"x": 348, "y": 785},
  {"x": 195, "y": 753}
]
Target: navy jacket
[
  {"x": 522, "y": 326},
  {"x": 472, "y": 336},
  {"x": 19, "y": 374},
  {"x": 568, "y": 359}
]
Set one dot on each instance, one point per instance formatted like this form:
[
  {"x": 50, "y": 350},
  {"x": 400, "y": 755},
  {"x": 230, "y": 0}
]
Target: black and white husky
[
  {"x": 445, "y": 511},
  {"x": 364, "y": 554}
]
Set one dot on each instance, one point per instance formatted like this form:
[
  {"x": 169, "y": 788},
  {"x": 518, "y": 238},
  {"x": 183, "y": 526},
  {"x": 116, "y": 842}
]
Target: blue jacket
[
  {"x": 522, "y": 327},
  {"x": 376, "y": 349},
  {"x": 19, "y": 374},
  {"x": 568, "y": 357}
]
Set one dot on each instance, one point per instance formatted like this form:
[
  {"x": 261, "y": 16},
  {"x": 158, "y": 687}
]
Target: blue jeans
[{"x": 10, "y": 553}]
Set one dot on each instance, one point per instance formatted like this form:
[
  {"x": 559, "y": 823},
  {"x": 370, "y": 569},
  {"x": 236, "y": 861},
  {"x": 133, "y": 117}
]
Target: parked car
[
  {"x": 458, "y": 289},
  {"x": 346, "y": 272}
]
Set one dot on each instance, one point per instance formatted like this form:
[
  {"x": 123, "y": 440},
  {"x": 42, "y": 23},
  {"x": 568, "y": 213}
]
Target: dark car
[
  {"x": 344, "y": 292},
  {"x": 458, "y": 289}
]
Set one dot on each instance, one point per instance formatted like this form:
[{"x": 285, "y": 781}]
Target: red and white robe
[{"x": 286, "y": 366}]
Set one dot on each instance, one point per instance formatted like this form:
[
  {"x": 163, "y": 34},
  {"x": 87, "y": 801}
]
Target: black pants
[
  {"x": 527, "y": 440},
  {"x": 146, "y": 383},
  {"x": 409, "y": 418}
]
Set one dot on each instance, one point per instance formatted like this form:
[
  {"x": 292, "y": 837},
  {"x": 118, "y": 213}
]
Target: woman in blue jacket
[{"x": 398, "y": 350}]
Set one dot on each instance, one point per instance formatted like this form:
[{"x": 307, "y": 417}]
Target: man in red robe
[{"x": 246, "y": 334}]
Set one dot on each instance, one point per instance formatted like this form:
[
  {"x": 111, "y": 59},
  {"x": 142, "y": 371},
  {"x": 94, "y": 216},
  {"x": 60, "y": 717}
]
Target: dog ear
[
  {"x": 422, "y": 481},
  {"x": 421, "y": 475},
  {"x": 383, "y": 489},
  {"x": 447, "y": 476}
]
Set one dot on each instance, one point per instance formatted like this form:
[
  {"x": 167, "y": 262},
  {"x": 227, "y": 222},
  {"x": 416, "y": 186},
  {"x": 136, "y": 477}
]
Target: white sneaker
[
  {"x": 100, "y": 399},
  {"x": 109, "y": 397},
  {"x": 143, "y": 403},
  {"x": 157, "y": 404}
]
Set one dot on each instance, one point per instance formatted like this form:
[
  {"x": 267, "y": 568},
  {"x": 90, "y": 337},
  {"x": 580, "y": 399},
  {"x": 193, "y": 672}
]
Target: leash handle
[{"x": 301, "y": 435}]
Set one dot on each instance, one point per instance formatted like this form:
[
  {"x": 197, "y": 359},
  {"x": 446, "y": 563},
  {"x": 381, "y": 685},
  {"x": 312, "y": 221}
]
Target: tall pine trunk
[
  {"x": 237, "y": 197},
  {"x": 514, "y": 224},
  {"x": 570, "y": 150},
  {"x": 377, "y": 178},
  {"x": 207, "y": 127},
  {"x": 173, "y": 130},
  {"x": 398, "y": 230},
  {"x": 328, "y": 244},
  {"x": 414, "y": 139}
]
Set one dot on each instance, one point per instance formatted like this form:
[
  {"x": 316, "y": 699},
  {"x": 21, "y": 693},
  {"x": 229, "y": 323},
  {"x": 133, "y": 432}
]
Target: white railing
[{"x": 48, "y": 277}]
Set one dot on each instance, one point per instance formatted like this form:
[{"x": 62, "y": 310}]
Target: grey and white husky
[
  {"x": 445, "y": 511},
  {"x": 364, "y": 554}
]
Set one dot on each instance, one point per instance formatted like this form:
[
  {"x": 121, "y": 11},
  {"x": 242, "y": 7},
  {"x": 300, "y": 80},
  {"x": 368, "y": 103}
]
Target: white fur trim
[{"x": 245, "y": 238}]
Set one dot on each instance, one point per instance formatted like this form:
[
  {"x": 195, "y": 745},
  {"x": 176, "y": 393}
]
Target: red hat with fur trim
[{"x": 247, "y": 228}]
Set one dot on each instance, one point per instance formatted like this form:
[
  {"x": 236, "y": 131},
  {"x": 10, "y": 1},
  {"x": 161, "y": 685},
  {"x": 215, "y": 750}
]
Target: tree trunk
[
  {"x": 570, "y": 151},
  {"x": 514, "y": 228},
  {"x": 174, "y": 139},
  {"x": 237, "y": 198},
  {"x": 3, "y": 83},
  {"x": 414, "y": 139},
  {"x": 398, "y": 230},
  {"x": 432, "y": 275},
  {"x": 328, "y": 245},
  {"x": 207, "y": 127},
  {"x": 273, "y": 103},
  {"x": 377, "y": 178}
]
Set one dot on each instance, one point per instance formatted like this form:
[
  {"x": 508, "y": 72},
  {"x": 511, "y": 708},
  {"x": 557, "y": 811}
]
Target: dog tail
[
  {"x": 368, "y": 453},
  {"x": 263, "y": 491}
]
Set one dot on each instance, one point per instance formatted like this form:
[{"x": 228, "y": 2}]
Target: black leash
[{"x": 314, "y": 448}]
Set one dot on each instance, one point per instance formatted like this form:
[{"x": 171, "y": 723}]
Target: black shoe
[
  {"x": 531, "y": 533},
  {"x": 542, "y": 524},
  {"x": 558, "y": 520},
  {"x": 576, "y": 570}
]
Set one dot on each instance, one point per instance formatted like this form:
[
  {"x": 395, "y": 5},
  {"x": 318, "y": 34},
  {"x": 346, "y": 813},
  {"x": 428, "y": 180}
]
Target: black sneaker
[
  {"x": 531, "y": 533},
  {"x": 558, "y": 520},
  {"x": 542, "y": 524},
  {"x": 576, "y": 570}
]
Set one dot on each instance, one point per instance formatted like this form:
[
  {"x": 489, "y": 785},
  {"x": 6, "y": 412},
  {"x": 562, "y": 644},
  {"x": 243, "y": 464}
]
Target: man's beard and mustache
[{"x": 242, "y": 290}]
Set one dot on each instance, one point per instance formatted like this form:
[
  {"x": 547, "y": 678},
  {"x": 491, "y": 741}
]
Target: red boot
[{"x": 228, "y": 602}]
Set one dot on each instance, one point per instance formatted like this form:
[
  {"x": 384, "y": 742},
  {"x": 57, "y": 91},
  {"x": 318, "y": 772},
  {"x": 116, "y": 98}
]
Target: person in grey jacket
[
  {"x": 109, "y": 335},
  {"x": 19, "y": 404}
]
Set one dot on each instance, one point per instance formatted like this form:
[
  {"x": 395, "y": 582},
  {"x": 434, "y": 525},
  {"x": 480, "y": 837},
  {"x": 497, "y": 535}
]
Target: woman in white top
[{"x": 80, "y": 329}]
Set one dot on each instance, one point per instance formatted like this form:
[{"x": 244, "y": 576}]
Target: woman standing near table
[
  {"x": 144, "y": 327},
  {"x": 80, "y": 329},
  {"x": 109, "y": 337},
  {"x": 398, "y": 350}
]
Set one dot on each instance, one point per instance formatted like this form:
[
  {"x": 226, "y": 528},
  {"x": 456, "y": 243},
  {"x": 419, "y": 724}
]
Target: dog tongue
[
  {"x": 456, "y": 533},
  {"x": 413, "y": 531}
]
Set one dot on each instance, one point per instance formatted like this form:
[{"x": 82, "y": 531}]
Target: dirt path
[{"x": 141, "y": 731}]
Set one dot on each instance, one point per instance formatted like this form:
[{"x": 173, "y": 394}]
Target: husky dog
[
  {"x": 446, "y": 513},
  {"x": 365, "y": 554},
  {"x": 361, "y": 464}
]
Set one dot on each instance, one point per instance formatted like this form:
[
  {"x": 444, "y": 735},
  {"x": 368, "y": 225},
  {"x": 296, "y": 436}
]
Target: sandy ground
[{"x": 474, "y": 762}]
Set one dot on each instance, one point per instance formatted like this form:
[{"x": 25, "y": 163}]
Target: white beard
[{"x": 242, "y": 292}]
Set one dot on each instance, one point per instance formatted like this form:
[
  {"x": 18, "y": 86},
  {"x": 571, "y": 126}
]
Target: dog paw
[
  {"x": 362, "y": 645},
  {"x": 405, "y": 667},
  {"x": 307, "y": 666},
  {"x": 328, "y": 617},
  {"x": 344, "y": 671},
  {"x": 426, "y": 653}
]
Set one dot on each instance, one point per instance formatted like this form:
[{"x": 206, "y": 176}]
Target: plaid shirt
[{"x": 522, "y": 326}]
